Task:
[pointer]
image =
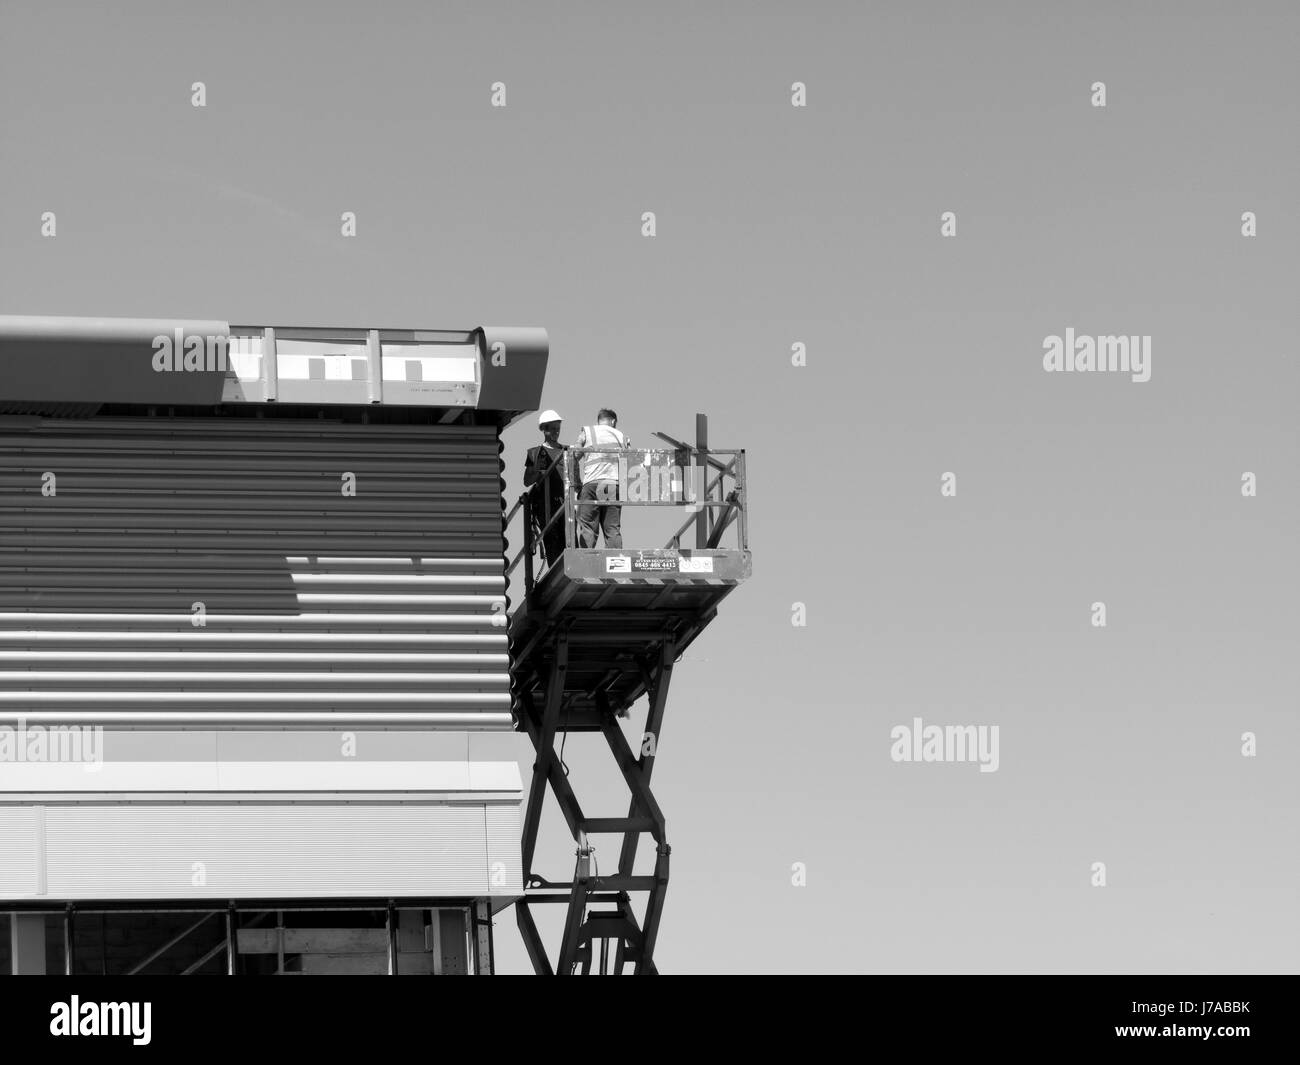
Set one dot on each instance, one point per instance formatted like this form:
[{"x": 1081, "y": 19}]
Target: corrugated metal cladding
[{"x": 320, "y": 606}]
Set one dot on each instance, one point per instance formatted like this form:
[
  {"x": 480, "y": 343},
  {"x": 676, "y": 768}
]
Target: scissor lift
[{"x": 597, "y": 630}]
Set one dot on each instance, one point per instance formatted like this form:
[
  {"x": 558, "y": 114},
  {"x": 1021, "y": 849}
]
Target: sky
[{"x": 799, "y": 843}]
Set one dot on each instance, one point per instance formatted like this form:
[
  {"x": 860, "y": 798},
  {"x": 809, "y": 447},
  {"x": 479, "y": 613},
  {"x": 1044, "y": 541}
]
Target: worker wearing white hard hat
[{"x": 543, "y": 477}]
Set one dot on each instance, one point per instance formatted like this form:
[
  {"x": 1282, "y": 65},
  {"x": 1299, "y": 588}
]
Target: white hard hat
[{"x": 548, "y": 416}]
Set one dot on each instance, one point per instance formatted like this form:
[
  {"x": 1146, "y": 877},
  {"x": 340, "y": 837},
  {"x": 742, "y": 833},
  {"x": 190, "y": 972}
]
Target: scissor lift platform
[{"x": 616, "y": 608}]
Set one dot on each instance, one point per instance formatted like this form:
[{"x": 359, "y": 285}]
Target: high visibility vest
[{"x": 601, "y": 467}]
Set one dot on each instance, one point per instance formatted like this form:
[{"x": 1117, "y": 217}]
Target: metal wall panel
[
  {"x": 385, "y": 607},
  {"x": 20, "y": 857},
  {"x": 264, "y": 850},
  {"x": 505, "y": 863}
]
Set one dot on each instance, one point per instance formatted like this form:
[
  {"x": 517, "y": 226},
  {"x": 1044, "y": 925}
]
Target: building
[
  {"x": 253, "y": 613},
  {"x": 270, "y": 570}
]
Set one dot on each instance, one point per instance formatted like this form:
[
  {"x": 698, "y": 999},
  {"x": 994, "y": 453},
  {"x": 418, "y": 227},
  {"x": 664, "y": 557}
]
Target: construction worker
[
  {"x": 543, "y": 478},
  {"x": 599, "y": 475}
]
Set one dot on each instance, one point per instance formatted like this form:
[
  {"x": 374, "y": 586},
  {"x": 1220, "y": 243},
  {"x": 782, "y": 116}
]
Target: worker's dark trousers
[
  {"x": 553, "y": 542},
  {"x": 594, "y": 508}
]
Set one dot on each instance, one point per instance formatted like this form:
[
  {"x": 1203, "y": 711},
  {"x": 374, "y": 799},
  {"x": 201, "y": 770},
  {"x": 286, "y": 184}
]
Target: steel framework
[{"x": 241, "y": 916}]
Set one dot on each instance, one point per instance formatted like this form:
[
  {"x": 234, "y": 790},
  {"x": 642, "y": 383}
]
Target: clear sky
[{"x": 819, "y": 225}]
